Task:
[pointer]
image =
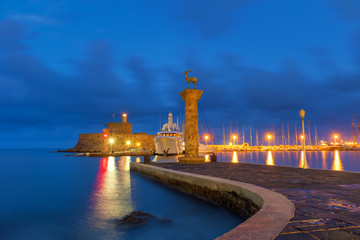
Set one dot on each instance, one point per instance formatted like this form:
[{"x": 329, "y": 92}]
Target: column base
[{"x": 191, "y": 160}]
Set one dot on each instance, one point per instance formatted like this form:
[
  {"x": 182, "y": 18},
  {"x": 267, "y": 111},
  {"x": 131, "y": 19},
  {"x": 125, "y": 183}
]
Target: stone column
[{"x": 191, "y": 97}]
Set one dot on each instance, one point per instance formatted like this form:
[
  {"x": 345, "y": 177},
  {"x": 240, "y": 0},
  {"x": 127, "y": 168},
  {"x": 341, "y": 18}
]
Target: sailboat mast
[
  {"x": 244, "y": 134},
  {"x": 296, "y": 135},
  {"x": 353, "y": 127},
  {"x": 230, "y": 132},
  {"x": 257, "y": 138},
  {"x": 250, "y": 137},
  {"x": 223, "y": 134},
  {"x": 309, "y": 132},
  {"x": 316, "y": 137},
  {"x": 288, "y": 134},
  {"x": 282, "y": 133},
  {"x": 237, "y": 133}
]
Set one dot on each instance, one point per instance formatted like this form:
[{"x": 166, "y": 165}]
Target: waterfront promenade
[{"x": 327, "y": 202}]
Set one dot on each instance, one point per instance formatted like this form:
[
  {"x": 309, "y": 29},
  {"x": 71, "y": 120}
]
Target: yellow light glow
[
  {"x": 235, "y": 157},
  {"x": 234, "y": 137},
  {"x": 124, "y": 115},
  {"x": 128, "y": 142},
  {"x": 337, "y": 165},
  {"x": 137, "y": 144},
  {"x": 303, "y": 163},
  {"x": 336, "y": 136},
  {"x": 111, "y": 140},
  {"x": 302, "y": 136},
  {"x": 269, "y": 159},
  {"x": 206, "y": 137},
  {"x": 230, "y": 143},
  {"x": 207, "y": 158},
  {"x": 268, "y": 136}
]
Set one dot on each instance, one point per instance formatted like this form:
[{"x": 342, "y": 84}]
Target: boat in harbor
[{"x": 169, "y": 140}]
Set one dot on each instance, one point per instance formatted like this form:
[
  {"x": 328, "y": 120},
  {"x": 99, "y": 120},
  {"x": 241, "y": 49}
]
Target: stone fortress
[{"x": 123, "y": 139}]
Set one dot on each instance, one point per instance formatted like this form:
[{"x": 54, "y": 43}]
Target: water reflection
[
  {"x": 337, "y": 165},
  {"x": 323, "y": 154},
  {"x": 235, "y": 157},
  {"x": 111, "y": 197},
  {"x": 303, "y": 163},
  {"x": 269, "y": 159}
]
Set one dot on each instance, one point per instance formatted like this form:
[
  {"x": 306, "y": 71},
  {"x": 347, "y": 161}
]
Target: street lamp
[
  {"x": 335, "y": 137},
  {"x": 234, "y": 138},
  {"x": 206, "y": 138},
  {"x": 302, "y": 115},
  {"x": 111, "y": 141},
  {"x": 268, "y": 138}
]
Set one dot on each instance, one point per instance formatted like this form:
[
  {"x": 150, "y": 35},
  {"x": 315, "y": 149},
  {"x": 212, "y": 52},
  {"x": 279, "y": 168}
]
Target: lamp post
[
  {"x": 206, "y": 138},
  {"x": 111, "y": 141},
  {"x": 234, "y": 139},
  {"x": 302, "y": 115},
  {"x": 335, "y": 137},
  {"x": 268, "y": 138}
]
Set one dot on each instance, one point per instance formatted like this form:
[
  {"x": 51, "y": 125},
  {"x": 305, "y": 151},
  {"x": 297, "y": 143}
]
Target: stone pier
[{"x": 191, "y": 97}]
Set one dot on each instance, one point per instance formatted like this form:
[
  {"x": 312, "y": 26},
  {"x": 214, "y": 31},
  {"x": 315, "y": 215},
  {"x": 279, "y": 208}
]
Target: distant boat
[{"x": 169, "y": 139}]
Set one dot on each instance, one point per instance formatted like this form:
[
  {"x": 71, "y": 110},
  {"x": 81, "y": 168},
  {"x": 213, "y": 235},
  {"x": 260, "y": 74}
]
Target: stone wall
[
  {"x": 119, "y": 128},
  {"x": 95, "y": 142},
  {"x": 266, "y": 212}
]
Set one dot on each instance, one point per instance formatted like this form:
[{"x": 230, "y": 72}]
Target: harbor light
[
  {"x": 302, "y": 116},
  {"x": 124, "y": 118},
  {"x": 234, "y": 138},
  {"x": 127, "y": 142},
  {"x": 206, "y": 138},
  {"x": 336, "y": 137},
  {"x": 269, "y": 138},
  {"x": 111, "y": 141}
]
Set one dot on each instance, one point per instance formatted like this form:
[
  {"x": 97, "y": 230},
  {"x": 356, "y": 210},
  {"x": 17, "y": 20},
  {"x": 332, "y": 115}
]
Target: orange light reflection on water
[
  {"x": 234, "y": 157},
  {"x": 112, "y": 181},
  {"x": 337, "y": 164},
  {"x": 303, "y": 163},
  {"x": 269, "y": 159}
]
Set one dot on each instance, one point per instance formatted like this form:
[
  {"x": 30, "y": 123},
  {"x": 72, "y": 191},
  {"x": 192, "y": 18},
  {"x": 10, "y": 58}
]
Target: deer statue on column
[{"x": 190, "y": 79}]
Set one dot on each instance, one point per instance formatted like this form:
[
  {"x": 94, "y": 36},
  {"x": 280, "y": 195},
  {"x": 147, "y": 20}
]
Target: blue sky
[{"x": 66, "y": 66}]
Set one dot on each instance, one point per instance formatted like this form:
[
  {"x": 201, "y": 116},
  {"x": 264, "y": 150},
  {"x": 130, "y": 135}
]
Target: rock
[{"x": 138, "y": 217}]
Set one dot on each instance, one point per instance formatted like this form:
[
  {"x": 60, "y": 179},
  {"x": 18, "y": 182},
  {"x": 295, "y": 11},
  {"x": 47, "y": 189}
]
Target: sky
[{"x": 67, "y": 65}]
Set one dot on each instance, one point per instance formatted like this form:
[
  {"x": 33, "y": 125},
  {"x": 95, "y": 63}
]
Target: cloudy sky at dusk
[{"x": 66, "y": 66}]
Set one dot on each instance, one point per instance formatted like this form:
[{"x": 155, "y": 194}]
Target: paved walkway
[{"x": 327, "y": 202}]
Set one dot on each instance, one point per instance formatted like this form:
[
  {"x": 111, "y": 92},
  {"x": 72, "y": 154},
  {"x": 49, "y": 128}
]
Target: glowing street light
[
  {"x": 336, "y": 137},
  {"x": 269, "y": 138},
  {"x": 302, "y": 115},
  {"x": 234, "y": 138},
  {"x": 111, "y": 141},
  {"x": 127, "y": 142},
  {"x": 138, "y": 144},
  {"x": 206, "y": 138}
]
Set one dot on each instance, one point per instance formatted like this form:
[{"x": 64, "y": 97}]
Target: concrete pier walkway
[{"x": 327, "y": 202}]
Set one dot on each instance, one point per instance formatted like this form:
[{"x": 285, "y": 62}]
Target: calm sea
[{"x": 47, "y": 195}]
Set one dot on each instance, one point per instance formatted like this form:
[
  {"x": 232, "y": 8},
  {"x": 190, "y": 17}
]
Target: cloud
[
  {"x": 12, "y": 33},
  {"x": 35, "y": 18},
  {"x": 210, "y": 19}
]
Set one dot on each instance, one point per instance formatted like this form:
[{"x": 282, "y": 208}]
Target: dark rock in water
[{"x": 138, "y": 217}]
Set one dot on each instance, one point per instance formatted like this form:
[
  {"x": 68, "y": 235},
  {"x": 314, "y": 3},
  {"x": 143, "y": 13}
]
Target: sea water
[{"x": 48, "y": 195}]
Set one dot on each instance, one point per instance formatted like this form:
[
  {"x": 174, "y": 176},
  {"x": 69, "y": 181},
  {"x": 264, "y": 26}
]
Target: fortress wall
[
  {"x": 120, "y": 128},
  {"x": 95, "y": 142}
]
